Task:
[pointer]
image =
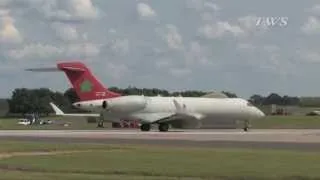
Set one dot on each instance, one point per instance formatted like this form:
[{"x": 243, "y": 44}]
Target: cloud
[
  {"x": 83, "y": 49},
  {"x": 35, "y": 51},
  {"x": 45, "y": 51},
  {"x": 196, "y": 54},
  {"x": 310, "y": 56},
  {"x": 315, "y": 9},
  {"x": 192, "y": 39},
  {"x": 4, "y": 12},
  {"x": 120, "y": 46},
  {"x": 66, "y": 32},
  {"x": 202, "y": 5},
  {"x": 116, "y": 71},
  {"x": 179, "y": 72},
  {"x": 69, "y": 10},
  {"x": 219, "y": 29},
  {"x": 8, "y": 31},
  {"x": 247, "y": 47},
  {"x": 312, "y": 26},
  {"x": 172, "y": 37},
  {"x": 145, "y": 11}
]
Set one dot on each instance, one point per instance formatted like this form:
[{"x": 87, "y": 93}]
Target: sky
[{"x": 209, "y": 45}]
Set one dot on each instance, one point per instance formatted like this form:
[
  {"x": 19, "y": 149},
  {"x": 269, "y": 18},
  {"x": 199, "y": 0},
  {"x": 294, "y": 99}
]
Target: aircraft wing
[
  {"x": 59, "y": 112},
  {"x": 181, "y": 115}
]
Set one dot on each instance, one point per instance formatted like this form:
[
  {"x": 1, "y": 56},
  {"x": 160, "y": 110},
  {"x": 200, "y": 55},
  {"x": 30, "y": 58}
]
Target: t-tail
[{"x": 86, "y": 85}]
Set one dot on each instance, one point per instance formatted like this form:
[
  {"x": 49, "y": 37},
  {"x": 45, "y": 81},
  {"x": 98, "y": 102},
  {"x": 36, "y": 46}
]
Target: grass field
[
  {"x": 287, "y": 122},
  {"x": 74, "y": 123},
  {"x": 270, "y": 122},
  {"x": 93, "y": 161}
]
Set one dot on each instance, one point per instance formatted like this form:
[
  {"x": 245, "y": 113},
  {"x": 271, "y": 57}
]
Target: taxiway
[{"x": 304, "y": 139}]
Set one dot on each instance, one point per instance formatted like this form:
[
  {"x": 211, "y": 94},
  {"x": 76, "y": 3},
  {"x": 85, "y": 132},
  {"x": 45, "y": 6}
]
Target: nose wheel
[{"x": 246, "y": 125}]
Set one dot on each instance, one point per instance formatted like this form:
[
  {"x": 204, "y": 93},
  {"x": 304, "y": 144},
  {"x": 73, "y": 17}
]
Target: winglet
[
  {"x": 56, "y": 109},
  {"x": 179, "y": 108}
]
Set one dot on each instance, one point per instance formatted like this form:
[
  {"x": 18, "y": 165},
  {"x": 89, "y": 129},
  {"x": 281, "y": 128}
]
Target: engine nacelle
[{"x": 124, "y": 104}]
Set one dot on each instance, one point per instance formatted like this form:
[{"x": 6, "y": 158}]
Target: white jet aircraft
[{"x": 111, "y": 106}]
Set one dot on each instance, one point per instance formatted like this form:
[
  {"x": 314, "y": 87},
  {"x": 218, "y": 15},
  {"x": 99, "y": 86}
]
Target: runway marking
[
  {"x": 300, "y": 136},
  {"x": 39, "y": 153}
]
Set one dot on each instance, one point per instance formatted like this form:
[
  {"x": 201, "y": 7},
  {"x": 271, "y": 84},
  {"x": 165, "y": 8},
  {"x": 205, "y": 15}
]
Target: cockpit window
[{"x": 249, "y": 104}]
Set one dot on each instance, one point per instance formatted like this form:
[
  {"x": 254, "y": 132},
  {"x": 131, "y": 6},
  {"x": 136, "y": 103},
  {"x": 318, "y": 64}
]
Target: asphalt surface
[{"x": 271, "y": 139}]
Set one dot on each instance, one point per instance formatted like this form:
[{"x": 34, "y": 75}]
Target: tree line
[
  {"x": 274, "y": 98},
  {"x": 25, "y": 100}
]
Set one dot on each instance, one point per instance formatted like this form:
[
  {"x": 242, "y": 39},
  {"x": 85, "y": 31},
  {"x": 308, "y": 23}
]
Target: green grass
[
  {"x": 75, "y": 123},
  {"x": 287, "y": 122},
  {"x": 155, "y": 162}
]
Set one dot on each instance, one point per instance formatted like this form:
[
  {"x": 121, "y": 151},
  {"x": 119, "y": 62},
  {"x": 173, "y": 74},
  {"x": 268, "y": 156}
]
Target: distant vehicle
[
  {"x": 24, "y": 122},
  {"x": 313, "y": 113},
  {"x": 162, "y": 111}
]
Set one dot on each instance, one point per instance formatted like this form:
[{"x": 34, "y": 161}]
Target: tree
[
  {"x": 257, "y": 99},
  {"x": 273, "y": 98},
  {"x": 71, "y": 95}
]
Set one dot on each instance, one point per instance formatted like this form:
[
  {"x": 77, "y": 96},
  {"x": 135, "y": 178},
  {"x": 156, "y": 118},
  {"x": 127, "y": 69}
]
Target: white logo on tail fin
[{"x": 100, "y": 94}]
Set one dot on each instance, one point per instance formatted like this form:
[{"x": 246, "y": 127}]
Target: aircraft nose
[{"x": 259, "y": 113}]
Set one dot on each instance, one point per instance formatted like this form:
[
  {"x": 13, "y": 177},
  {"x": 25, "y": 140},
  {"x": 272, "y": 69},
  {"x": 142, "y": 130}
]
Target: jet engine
[{"x": 124, "y": 104}]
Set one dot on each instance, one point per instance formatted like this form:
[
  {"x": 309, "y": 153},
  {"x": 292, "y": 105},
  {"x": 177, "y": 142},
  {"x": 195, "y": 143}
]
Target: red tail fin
[{"x": 83, "y": 81}]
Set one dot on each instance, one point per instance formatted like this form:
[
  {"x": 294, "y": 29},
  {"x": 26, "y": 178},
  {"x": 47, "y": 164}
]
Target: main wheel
[
  {"x": 163, "y": 127},
  {"x": 145, "y": 127},
  {"x": 100, "y": 125}
]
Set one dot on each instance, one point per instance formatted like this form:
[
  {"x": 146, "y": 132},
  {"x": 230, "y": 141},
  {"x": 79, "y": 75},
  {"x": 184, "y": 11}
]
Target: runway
[{"x": 274, "y": 139}]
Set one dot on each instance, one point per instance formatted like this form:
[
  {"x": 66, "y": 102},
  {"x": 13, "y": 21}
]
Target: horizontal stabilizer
[
  {"x": 50, "y": 69},
  {"x": 59, "y": 112},
  {"x": 54, "y": 69}
]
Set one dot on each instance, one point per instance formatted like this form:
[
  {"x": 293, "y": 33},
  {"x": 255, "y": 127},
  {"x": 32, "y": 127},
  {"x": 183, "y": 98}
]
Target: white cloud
[
  {"x": 162, "y": 63},
  {"x": 69, "y": 10},
  {"x": 4, "y": 3},
  {"x": 248, "y": 22},
  {"x": 116, "y": 71},
  {"x": 196, "y": 54},
  {"x": 83, "y": 49},
  {"x": 310, "y": 56},
  {"x": 211, "y": 6},
  {"x": 271, "y": 48},
  {"x": 201, "y": 5},
  {"x": 35, "y": 51},
  {"x": 219, "y": 29},
  {"x": 316, "y": 9},
  {"x": 43, "y": 51},
  {"x": 179, "y": 72},
  {"x": 8, "y": 31},
  {"x": 65, "y": 32},
  {"x": 145, "y": 11},
  {"x": 311, "y": 26},
  {"x": 246, "y": 47},
  {"x": 172, "y": 37},
  {"x": 4, "y": 12},
  {"x": 120, "y": 46}
]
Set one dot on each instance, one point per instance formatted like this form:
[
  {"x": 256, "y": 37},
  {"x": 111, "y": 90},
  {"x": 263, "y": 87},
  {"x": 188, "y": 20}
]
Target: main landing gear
[
  {"x": 163, "y": 127},
  {"x": 246, "y": 125},
  {"x": 145, "y": 127}
]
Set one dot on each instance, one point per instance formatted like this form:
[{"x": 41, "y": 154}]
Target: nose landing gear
[{"x": 246, "y": 125}]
